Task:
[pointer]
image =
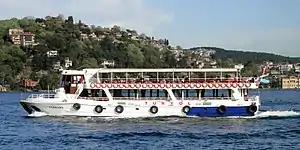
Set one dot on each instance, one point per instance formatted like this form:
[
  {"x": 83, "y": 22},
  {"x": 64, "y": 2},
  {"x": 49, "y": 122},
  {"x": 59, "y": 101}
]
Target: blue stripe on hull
[{"x": 212, "y": 111}]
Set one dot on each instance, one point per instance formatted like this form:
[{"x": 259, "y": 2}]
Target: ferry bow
[{"x": 107, "y": 92}]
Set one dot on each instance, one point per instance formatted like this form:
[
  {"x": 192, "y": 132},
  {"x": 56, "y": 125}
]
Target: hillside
[
  {"x": 35, "y": 49},
  {"x": 246, "y": 56}
]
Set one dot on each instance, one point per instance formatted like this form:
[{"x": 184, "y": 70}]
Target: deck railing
[
  {"x": 164, "y": 80},
  {"x": 47, "y": 96},
  {"x": 156, "y": 98}
]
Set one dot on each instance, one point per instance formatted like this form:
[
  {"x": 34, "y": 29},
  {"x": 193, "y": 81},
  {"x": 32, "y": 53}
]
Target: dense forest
[
  {"x": 89, "y": 46},
  {"x": 86, "y": 46},
  {"x": 247, "y": 56}
]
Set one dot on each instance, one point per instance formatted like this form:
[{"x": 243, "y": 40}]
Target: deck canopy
[
  {"x": 129, "y": 70},
  {"x": 161, "y": 74}
]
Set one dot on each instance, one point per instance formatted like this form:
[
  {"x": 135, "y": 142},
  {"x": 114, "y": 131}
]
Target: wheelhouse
[{"x": 71, "y": 80}]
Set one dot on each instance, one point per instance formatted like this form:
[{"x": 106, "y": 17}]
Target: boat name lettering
[
  {"x": 121, "y": 103},
  {"x": 206, "y": 103},
  {"x": 131, "y": 104},
  {"x": 171, "y": 104},
  {"x": 59, "y": 107}
]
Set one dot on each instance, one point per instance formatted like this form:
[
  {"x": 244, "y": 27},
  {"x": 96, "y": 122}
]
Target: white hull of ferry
[
  {"x": 141, "y": 108},
  {"x": 107, "y": 92}
]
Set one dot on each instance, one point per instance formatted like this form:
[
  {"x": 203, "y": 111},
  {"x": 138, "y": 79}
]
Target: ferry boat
[{"x": 124, "y": 92}]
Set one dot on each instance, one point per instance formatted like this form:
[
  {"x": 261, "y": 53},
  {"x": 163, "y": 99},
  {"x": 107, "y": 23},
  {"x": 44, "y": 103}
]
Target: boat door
[{"x": 71, "y": 83}]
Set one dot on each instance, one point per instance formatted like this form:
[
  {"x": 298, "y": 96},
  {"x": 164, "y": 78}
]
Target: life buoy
[
  {"x": 234, "y": 85},
  {"x": 98, "y": 85},
  {"x": 126, "y": 85},
  {"x": 248, "y": 84},
  {"x": 76, "y": 106},
  {"x": 217, "y": 85},
  {"x": 241, "y": 85},
  {"x": 162, "y": 85},
  {"x": 119, "y": 109},
  {"x": 103, "y": 85},
  {"x": 150, "y": 85},
  {"x": 144, "y": 85},
  {"x": 198, "y": 85},
  {"x": 121, "y": 85},
  {"x": 92, "y": 85},
  {"x": 186, "y": 85},
  {"x": 137, "y": 86},
  {"x": 115, "y": 85},
  {"x": 179, "y": 85},
  {"x": 156, "y": 85},
  {"x": 168, "y": 85},
  {"x": 132, "y": 85},
  {"x": 228, "y": 85},
  {"x": 204, "y": 85},
  {"x": 174, "y": 85},
  {"x": 153, "y": 109},
  {"x": 192, "y": 85},
  {"x": 210, "y": 85},
  {"x": 180, "y": 103},
  {"x": 109, "y": 85},
  {"x": 222, "y": 85},
  {"x": 252, "y": 109},
  {"x": 98, "y": 109},
  {"x": 186, "y": 109},
  {"x": 222, "y": 109}
]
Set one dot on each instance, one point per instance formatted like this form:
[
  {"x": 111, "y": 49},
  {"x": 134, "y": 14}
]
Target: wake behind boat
[{"x": 106, "y": 92}]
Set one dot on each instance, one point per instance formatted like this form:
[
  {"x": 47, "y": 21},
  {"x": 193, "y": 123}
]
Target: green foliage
[
  {"x": 67, "y": 37},
  {"x": 77, "y": 42},
  {"x": 246, "y": 57}
]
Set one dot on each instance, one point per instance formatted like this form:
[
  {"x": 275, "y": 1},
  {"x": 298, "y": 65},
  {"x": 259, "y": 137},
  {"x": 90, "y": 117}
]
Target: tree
[{"x": 135, "y": 58}]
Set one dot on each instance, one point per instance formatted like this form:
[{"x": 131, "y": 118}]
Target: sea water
[{"x": 276, "y": 127}]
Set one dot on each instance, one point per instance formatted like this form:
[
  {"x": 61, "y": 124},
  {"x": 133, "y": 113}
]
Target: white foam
[
  {"x": 267, "y": 114},
  {"x": 277, "y": 114},
  {"x": 37, "y": 114}
]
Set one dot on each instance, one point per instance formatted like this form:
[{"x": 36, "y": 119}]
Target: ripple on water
[{"x": 276, "y": 128}]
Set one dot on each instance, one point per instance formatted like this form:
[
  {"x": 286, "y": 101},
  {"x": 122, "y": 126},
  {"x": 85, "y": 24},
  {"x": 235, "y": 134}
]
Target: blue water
[{"x": 276, "y": 128}]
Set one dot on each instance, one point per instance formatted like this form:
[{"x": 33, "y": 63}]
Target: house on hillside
[
  {"x": 29, "y": 83},
  {"x": 52, "y": 53},
  {"x": 68, "y": 62},
  {"x": 19, "y": 37}
]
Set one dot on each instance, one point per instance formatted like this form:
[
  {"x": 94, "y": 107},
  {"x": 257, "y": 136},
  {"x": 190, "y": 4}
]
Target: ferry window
[
  {"x": 68, "y": 78},
  {"x": 65, "y": 82},
  {"x": 223, "y": 93},
  {"x": 177, "y": 93},
  {"x": 128, "y": 93},
  {"x": 164, "y": 93},
  {"x": 80, "y": 79},
  {"x": 155, "y": 93},
  {"x": 74, "y": 79},
  {"x": 207, "y": 93},
  {"x": 144, "y": 93},
  {"x": 217, "y": 93},
  {"x": 191, "y": 93},
  {"x": 84, "y": 93}
]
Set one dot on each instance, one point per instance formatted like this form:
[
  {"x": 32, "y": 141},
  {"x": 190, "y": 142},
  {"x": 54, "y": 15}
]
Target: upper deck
[
  {"x": 161, "y": 70},
  {"x": 172, "y": 75},
  {"x": 163, "y": 75}
]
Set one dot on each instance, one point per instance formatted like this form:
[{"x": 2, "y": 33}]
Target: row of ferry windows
[{"x": 157, "y": 93}]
